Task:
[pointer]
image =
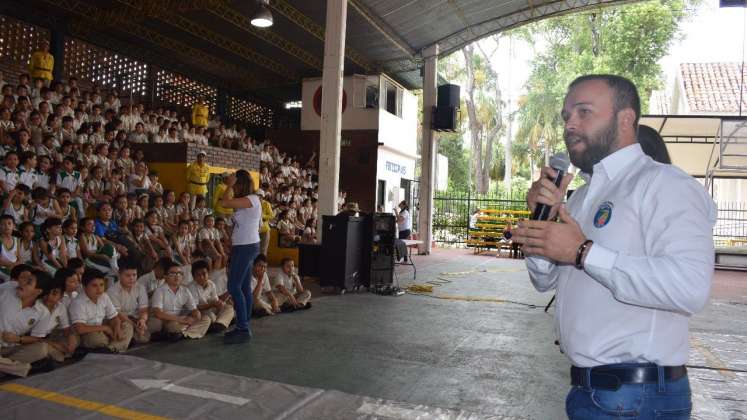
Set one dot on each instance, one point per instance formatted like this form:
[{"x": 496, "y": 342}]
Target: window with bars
[
  {"x": 249, "y": 113},
  {"x": 104, "y": 67},
  {"x": 18, "y": 40},
  {"x": 182, "y": 91}
]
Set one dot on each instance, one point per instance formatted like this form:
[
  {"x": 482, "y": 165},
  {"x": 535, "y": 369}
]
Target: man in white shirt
[
  {"x": 155, "y": 278},
  {"x": 23, "y": 321},
  {"x": 95, "y": 319},
  {"x": 130, "y": 299},
  {"x": 206, "y": 297},
  {"x": 263, "y": 299},
  {"x": 174, "y": 309},
  {"x": 631, "y": 259},
  {"x": 292, "y": 294}
]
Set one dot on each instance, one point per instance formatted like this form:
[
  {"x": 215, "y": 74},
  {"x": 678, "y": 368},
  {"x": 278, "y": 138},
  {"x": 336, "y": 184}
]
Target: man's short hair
[
  {"x": 127, "y": 264},
  {"x": 199, "y": 265},
  {"x": 260, "y": 258},
  {"x": 75, "y": 263},
  {"x": 16, "y": 271},
  {"x": 44, "y": 281},
  {"x": 285, "y": 260},
  {"x": 625, "y": 92},
  {"x": 92, "y": 274},
  {"x": 62, "y": 275}
]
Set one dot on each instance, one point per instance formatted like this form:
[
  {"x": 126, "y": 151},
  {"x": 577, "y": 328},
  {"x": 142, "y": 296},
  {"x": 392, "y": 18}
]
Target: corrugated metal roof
[{"x": 382, "y": 35}]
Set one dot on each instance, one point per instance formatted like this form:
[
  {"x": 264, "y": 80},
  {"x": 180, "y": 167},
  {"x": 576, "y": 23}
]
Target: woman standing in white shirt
[
  {"x": 404, "y": 221},
  {"x": 247, "y": 217}
]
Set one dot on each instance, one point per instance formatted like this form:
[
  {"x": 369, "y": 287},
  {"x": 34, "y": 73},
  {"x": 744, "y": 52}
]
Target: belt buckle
[{"x": 605, "y": 381}]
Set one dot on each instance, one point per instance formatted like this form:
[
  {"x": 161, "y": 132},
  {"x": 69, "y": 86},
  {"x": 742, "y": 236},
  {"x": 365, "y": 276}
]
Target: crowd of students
[
  {"x": 96, "y": 254},
  {"x": 292, "y": 190}
]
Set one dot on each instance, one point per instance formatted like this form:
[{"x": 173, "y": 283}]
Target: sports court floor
[{"x": 479, "y": 346}]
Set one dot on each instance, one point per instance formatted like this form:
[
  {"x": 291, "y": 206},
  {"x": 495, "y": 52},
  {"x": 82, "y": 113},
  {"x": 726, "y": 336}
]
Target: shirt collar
[{"x": 613, "y": 164}]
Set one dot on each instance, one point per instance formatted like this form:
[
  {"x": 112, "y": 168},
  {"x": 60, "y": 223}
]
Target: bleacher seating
[{"x": 488, "y": 231}]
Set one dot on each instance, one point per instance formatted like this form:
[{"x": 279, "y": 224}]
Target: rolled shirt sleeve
[{"x": 542, "y": 272}]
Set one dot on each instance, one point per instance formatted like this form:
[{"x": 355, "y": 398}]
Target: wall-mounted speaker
[
  {"x": 445, "y": 118},
  {"x": 448, "y": 96}
]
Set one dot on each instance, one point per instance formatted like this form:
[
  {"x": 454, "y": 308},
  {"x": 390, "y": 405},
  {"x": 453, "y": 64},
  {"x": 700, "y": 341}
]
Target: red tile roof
[{"x": 714, "y": 87}]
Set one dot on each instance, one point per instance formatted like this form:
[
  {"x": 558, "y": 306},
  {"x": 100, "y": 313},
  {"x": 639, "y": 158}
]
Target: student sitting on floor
[
  {"x": 8, "y": 247},
  {"x": 95, "y": 319},
  {"x": 71, "y": 286},
  {"x": 156, "y": 277},
  {"x": 210, "y": 245},
  {"x": 79, "y": 267},
  {"x": 23, "y": 321},
  {"x": 61, "y": 338},
  {"x": 130, "y": 299},
  {"x": 291, "y": 294},
  {"x": 53, "y": 252},
  {"x": 208, "y": 302},
  {"x": 264, "y": 301},
  {"x": 171, "y": 301}
]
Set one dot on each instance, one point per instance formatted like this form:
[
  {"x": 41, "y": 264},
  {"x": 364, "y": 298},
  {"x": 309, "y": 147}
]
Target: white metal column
[
  {"x": 329, "y": 141},
  {"x": 428, "y": 151}
]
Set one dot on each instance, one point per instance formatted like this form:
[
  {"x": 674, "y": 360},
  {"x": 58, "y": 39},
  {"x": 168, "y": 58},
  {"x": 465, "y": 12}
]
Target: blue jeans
[
  {"x": 240, "y": 281},
  {"x": 668, "y": 400}
]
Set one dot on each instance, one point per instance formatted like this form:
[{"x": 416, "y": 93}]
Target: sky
[{"x": 713, "y": 35}]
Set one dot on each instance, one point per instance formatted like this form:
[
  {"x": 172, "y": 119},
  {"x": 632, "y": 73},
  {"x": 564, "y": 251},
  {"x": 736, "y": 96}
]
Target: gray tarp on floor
[{"x": 109, "y": 379}]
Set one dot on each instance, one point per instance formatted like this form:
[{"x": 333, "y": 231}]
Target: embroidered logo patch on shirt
[
  {"x": 604, "y": 214},
  {"x": 31, "y": 321}
]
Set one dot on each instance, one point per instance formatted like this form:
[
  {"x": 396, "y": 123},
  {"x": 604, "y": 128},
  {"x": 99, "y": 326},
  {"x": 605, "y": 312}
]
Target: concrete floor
[
  {"x": 485, "y": 356},
  {"x": 481, "y": 343}
]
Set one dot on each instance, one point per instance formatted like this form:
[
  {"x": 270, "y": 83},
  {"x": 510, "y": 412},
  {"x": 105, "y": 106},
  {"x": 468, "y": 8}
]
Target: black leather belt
[
  {"x": 611, "y": 377},
  {"x": 198, "y": 183}
]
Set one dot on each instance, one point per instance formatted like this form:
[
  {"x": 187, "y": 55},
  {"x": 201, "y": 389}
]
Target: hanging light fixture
[{"x": 262, "y": 17}]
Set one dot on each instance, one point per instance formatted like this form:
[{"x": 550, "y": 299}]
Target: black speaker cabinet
[
  {"x": 448, "y": 96},
  {"x": 309, "y": 259},
  {"x": 344, "y": 241},
  {"x": 445, "y": 119},
  {"x": 382, "y": 265}
]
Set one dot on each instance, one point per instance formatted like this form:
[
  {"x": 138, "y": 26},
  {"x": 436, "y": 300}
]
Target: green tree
[
  {"x": 451, "y": 145},
  {"x": 484, "y": 105},
  {"x": 627, "y": 40}
]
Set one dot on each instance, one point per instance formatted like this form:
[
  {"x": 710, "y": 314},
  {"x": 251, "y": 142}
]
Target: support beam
[
  {"x": 428, "y": 151},
  {"x": 57, "y": 49},
  {"x": 331, "y": 124},
  {"x": 221, "y": 106}
]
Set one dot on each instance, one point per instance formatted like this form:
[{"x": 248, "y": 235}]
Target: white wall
[
  {"x": 401, "y": 133},
  {"x": 442, "y": 173},
  {"x": 730, "y": 190},
  {"x": 690, "y": 157},
  {"x": 352, "y": 118},
  {"x": 392, "y": 167}
]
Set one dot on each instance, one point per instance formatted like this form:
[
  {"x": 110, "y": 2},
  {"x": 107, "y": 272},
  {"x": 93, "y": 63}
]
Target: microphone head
[{"x": 560, "y": 161}]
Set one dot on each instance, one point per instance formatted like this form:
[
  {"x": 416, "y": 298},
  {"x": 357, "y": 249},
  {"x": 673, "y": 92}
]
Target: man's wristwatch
[{"x": 580, "y": 253}]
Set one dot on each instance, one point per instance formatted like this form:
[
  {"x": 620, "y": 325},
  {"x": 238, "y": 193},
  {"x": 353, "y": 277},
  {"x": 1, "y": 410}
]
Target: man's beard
[{"x": 598, "y": 146}]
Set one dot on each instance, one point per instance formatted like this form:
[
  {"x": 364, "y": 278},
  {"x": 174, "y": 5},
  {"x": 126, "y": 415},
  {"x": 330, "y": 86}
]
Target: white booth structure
[{"x": 379, "y": 138}]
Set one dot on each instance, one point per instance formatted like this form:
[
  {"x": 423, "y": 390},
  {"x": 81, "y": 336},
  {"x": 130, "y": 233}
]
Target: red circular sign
[{"x": 318, "y": 101}]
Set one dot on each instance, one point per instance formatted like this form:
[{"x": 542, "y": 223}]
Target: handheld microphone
[{"x": 560, "y": 162}]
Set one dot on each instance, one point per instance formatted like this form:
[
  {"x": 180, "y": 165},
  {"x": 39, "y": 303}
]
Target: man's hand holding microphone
[{"x": 542, "y": 236}]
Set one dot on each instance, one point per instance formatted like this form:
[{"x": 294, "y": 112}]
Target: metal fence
[
  {"x": 451, "y": 211},
  {"x": 731, "y": 225}
]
